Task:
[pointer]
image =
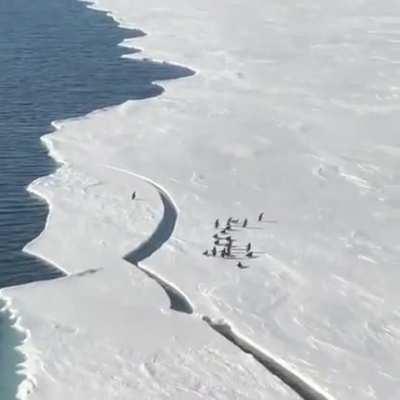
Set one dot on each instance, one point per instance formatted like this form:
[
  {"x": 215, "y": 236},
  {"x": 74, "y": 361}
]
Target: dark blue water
[{"x": 58, "y": 59}]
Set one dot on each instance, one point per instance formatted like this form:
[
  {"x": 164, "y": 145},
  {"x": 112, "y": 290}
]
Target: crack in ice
[
  {"x": 180, "y": 302},
  {"x": 162, "y": 233},
  {"x": 302, "y": 386}
]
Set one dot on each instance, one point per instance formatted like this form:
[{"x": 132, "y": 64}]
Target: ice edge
[
  {"x": 31, "y": 362},
  {"x": 29, "y": 367}
]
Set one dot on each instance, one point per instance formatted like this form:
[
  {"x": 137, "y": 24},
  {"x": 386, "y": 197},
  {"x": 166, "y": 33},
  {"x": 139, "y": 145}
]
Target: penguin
[
  {"x": 248, "y": 247},
  {"x": 216, "y": 236},
  {"x": 260, "y": 217},
  {"x": 241, "y": 266},
  {"x": 228, "y": 222},
  {"x": 133, "y": 196},
  {"x": 245, "y": 222},
  {"x": 217, "y": 242},
  {"x": 250, "y": 254},
  {"x": 214, "y": 251},
  {"x": 223, "y": 253},
  {"x": 216, "y": 223},
  {"x": 206, "y": 253}
]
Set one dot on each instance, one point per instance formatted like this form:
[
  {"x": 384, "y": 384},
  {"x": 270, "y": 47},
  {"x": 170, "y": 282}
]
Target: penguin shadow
[
  {"x": 254, "y": 228},
  {"x": 244, "y": 257},
  {"x": 140, "y": 199},
  {"x": 234, "y": 257},
  {"x": 134, "y": 197},
  {"x": 227, "y": 231}
]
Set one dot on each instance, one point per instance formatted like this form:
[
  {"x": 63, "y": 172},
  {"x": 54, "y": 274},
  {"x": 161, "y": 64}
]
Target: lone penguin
[
  {"x": 214, "y": 251},
  {"x": 216, "y": 223},
  {"x": 260, "y": 217},
  {"x": 133, "y": 196},
  {"x": 245, "y": 222},
  {"x": 241, "y": 266}
]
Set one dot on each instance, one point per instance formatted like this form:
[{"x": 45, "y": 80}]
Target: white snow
[{"x": 293, "y": 111}]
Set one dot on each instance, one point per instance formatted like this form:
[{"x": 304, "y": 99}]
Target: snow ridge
[
  {"x": 302, "y": 386},
  {"x": 179, "y": 301}
]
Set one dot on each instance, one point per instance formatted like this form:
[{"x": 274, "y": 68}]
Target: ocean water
[
  {"x": 9, "y": 357},
  {"x": 58, "y": 59}
]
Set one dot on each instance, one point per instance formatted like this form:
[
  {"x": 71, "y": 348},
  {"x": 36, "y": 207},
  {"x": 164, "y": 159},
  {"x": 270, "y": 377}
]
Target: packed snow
[{"x": 293, "y": 112}]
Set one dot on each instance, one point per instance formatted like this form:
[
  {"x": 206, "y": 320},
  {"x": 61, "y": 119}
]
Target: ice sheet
[{"x": 293, "y": 112}]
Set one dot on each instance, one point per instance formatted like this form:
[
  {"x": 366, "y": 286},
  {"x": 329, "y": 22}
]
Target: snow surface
[{"x": 294, "y": 112}]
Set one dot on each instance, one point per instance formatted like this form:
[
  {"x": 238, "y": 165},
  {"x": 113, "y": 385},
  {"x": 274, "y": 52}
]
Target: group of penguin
[{"x": 224, "y": 239}]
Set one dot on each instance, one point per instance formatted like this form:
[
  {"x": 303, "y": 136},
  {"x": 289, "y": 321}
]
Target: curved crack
[
  {"x": 162, "y": 233},
  {"x": 180, "y": 302}
]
